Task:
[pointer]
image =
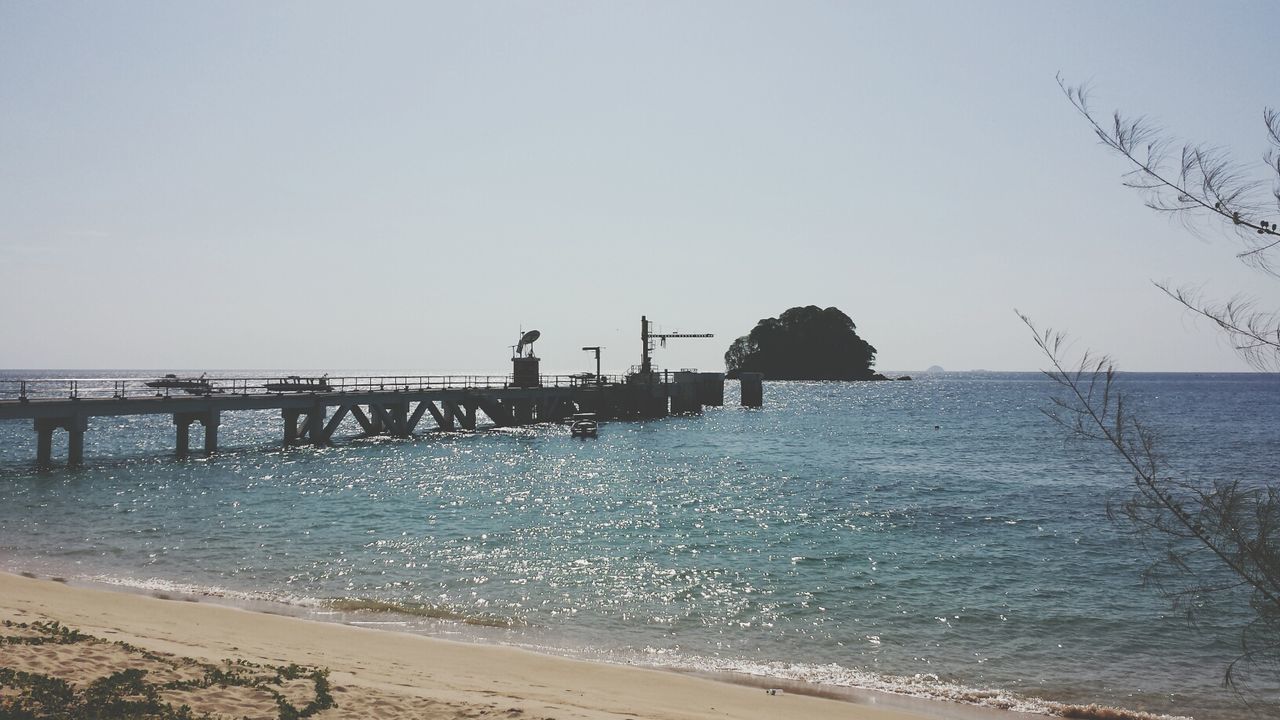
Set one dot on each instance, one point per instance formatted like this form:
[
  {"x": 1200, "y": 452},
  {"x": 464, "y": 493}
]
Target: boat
[
  {"x": 294, "y": 383},
  {"x": 583, "y": 425},
  {"x": 194, "y": 386}
]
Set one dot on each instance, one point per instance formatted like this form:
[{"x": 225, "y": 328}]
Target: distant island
[{"x": 804, "y": 343}]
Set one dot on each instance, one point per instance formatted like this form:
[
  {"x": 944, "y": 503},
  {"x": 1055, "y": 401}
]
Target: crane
[
  {"x": 647, "y": 338},
  {"x": 596, "y": 349}
]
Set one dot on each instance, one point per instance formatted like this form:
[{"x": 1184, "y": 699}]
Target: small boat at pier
[
  {"x": 294, "y": 383},
  {"x": 584, "y": 425},
  {"x": 194, "y": 386}
]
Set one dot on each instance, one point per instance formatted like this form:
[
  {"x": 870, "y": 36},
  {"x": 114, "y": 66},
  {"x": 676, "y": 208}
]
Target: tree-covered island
[{"x": 804, "y": 343}]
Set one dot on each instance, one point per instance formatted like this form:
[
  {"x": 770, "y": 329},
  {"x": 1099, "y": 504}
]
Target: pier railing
[{"x": 25, "y": 390}]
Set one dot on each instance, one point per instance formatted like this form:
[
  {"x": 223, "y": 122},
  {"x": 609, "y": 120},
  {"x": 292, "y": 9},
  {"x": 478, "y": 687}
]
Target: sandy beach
[{"x": 372, "y": 673}]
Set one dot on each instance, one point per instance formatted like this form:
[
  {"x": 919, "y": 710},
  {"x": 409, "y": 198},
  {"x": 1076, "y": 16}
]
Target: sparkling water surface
[{"x": 939, "y": 537}]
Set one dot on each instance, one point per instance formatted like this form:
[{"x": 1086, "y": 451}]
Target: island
[{"x": 804, "y": 343}]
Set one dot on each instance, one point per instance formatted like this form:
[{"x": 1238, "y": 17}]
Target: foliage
[
  {"x": 129, "y": 693},
  {"x": 1204, "y": 188},
  {"x": 803, "y": 343},
  {"x": 1209, "y": 538}
]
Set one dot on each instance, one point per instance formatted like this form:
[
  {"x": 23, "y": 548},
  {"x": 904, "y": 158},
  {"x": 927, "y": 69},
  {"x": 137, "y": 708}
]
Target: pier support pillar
[
  {"x": 75, "y": 440},
  {"x": 75, "y": 427},
  {"x": 211, "y": 421},
  {"x": 290, "y": 425},
  {"x": 315, "y": 425},
  {"x": 752, "y": 389},
  {"x": 304, "y": 426},
  {"x": 399, "y": 414},
  {"x": 711, "y": 388},
  {"x": 44, "y": 442},
  {"x": 684, "y": 393},
  {"x": 184, "y": 434}
]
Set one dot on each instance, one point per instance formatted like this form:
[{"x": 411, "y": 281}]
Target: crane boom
[{"x": 647, "y": 338}]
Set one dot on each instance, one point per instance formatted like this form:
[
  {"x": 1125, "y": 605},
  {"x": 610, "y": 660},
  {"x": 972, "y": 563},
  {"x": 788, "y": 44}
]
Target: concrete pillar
[
  {"x": 400, "y": 416},
  {"x": 290, "y": 425},
  {"x": 375, "y": 421},
  {"x": 711, "y": 388},
  {"x": 684, "y": 393},
  {"x": 752, "y": 389},
  {"x": 44, "y": 442},
  {"x": 315, "y": 425},
  {"x": 76, "y": 427},
  {"x": 75, "y": 447},
  {"x": 212, "y": 420},
  {"x": 182, "y": 421}
]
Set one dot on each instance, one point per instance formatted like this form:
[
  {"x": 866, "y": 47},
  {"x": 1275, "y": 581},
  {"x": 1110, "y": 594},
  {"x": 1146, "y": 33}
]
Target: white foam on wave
[
  {"x": 925, "y": 686},
  {"x": 155, "y": 585}
]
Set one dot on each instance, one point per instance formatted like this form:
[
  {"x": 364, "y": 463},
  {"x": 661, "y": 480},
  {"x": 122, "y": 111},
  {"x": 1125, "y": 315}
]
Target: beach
[{"x": 385, "y": 674}]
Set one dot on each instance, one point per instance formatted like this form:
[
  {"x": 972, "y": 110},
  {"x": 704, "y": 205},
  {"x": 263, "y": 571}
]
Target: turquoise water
[{"x": 939, "y": 537}]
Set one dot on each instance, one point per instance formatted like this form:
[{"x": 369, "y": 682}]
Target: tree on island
[
  {"x": 803, "y": 343},
  {"x": 1209, "y": 538}
]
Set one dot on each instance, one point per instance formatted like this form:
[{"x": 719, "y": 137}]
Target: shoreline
[{"x": 414, "y": 666}]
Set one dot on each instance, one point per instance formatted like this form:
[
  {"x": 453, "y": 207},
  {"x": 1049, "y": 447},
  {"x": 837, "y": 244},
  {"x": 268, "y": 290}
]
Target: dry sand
[{"x": 378, "y": 673}]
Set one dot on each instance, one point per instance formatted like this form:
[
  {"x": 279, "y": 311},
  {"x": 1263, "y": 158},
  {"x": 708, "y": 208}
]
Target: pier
[
  {"x": 314, "y": 409},
  {"x": 396, "y": 406}
]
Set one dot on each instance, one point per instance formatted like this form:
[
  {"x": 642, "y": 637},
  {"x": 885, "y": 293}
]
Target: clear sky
[{"x": 407, "y": 185}]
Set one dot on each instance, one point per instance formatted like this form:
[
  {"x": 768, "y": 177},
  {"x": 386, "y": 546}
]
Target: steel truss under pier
[
  {"x": 401, "y": 414},
  {"x": 395, "y": 407}
]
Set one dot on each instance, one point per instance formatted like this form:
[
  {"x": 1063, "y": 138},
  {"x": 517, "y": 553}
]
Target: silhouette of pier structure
[
  {"x": 396, "y": 406},
  {"x": 313, "y": 410}
]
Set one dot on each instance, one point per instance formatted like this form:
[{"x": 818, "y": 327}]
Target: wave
[
  {"x": 306, "y": 605},
  {"x": 414, "y": 609},
  {"x": 814, "y": 679}
]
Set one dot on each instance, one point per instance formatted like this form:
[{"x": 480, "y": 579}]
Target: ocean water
[{"x": 939, "y": 538}]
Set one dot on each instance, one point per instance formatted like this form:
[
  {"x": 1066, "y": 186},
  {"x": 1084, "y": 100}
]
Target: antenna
[{"x": 527, "y": 339}]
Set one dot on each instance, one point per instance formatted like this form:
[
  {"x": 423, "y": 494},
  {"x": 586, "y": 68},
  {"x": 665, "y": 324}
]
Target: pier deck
[{"x": 378, "y": 405}]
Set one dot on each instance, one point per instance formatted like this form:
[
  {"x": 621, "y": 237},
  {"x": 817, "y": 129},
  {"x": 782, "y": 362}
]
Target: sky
[{"x": 382, "y": 185}]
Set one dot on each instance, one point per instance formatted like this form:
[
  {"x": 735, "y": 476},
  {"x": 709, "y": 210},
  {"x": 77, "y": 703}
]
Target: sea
[{"x": 940, "y": 538}]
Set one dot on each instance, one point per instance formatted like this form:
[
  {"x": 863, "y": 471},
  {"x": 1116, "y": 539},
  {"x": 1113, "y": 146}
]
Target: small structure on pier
[{"x": 524, "y": 366}]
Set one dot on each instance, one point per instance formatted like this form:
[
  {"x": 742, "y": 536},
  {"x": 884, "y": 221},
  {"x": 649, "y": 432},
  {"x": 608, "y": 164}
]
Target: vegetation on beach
[
  {"x": 133, "y": 692},
  {"x": 803, "y": 343},
  {"x": 1209, "y": 538}
]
